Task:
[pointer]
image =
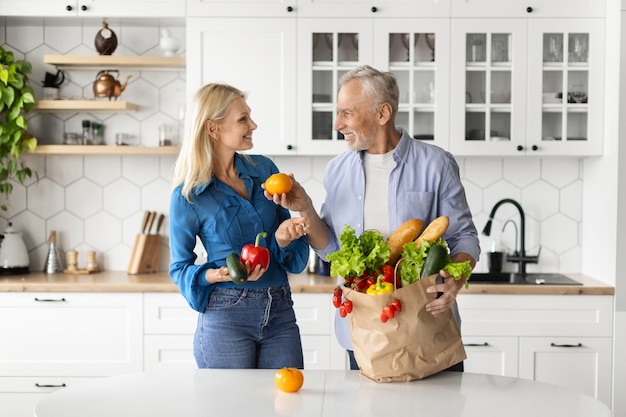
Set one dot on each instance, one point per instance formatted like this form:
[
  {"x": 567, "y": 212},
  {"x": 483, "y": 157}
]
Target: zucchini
[
  {"x": 436, "y": 258},
  {"x": 236, "y": 269}
]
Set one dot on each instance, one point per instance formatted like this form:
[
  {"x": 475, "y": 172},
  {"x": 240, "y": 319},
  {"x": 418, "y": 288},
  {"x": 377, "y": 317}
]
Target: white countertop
[{"x": 215, "y": 392}]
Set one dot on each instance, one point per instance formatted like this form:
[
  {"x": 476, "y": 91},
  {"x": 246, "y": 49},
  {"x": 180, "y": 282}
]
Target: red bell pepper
[{"x": 255, "y": 254}]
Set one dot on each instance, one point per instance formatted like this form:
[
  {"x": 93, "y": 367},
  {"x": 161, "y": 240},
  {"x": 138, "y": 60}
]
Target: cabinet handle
[
  {"x": 485, "y": 344},
  {"x": 534, "y": 147},
  {"x": 50, "y": 300},
  {"x": 289, "y": 9},
  {"x": 374, "y": 9},
  {"x": 83, "y": 8},
  {"x": 520, "y": 148},
  {"x": 50, "y": 385},
  {"x": 68, "y": 8},
  {"x": 529, "y": 9},
  {"x": 577, "y": 345},
  {"x": 289, "y": 147}
]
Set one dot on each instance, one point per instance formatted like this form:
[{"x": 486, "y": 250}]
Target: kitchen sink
[{"x": 539, "y": 278}]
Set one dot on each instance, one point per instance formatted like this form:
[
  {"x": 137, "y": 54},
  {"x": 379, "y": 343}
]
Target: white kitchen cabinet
[
  {"x": 527, "y": 87},
  {"x": 93, "y": 8},
  {"x": 560, "y": 339},
  {"x": 54, "y": 340},
  {"x": 491, "y": 355},
  {"x": 328, "y": 48},
  {"x": 169, "y": 327},
  {"x": 241, "y": 8},
  {"x": 524, "y": 8},
  {"x": 359, "y": 8},
  {"x": 258, "y": 56}
]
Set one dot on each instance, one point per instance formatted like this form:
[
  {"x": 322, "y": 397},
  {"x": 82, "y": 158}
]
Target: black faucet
[{"x": 520, "y": 256}]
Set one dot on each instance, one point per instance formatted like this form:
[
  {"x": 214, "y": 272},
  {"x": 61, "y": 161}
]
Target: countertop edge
[{"x": 120, "y": 281}]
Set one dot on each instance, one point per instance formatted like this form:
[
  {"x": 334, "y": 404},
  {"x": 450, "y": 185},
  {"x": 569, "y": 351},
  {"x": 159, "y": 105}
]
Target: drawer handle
[
  {"x": 577, "y": 345},
  {"x": 50, "y": 385},
  {"x": 475, "y": 344},
  {"x": 50, "y": 300}
]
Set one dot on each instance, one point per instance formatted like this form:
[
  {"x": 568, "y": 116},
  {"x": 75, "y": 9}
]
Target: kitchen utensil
[
  {"x": 106, "y": 85},
  {"x": 13, "y": 253},
  {"x": 53, "y": 261},
  {"x": 159, "y": 223},
  {"x": 147, "y": 250},
  {"x": 53, "y": 80}
]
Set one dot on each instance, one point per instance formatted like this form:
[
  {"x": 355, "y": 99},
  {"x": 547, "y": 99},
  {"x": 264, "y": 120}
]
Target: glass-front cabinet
[
  {"x": 405, "y": 47},
  {"x": 328, "y": 48},
  {"x": 527, "y": 86}
]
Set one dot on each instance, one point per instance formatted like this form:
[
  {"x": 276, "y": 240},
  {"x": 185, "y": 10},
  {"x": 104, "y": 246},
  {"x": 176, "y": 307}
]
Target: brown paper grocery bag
[{"x": 413, "y": 345}]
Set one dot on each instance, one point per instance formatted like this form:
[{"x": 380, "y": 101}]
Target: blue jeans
[{"x": 248, "y": 328}]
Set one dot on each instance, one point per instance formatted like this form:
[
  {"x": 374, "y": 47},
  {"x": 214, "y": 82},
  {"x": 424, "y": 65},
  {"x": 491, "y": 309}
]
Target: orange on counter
[{"x": 289, "y": 379}]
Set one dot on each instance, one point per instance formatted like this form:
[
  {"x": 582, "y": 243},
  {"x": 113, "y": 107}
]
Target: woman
[{"x": 219, "y": 199}]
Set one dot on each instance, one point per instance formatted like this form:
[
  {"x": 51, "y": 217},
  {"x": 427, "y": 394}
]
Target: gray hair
[{"x": 380, "y": 87}]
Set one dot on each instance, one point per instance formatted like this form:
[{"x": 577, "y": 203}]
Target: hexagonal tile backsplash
[{"x": 97, "y": 202}]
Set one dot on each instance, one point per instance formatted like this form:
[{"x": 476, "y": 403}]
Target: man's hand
[{"x": 448, "y": 289}]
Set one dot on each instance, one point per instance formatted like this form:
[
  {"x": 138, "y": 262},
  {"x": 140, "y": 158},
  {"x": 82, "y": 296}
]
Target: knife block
[{"x": 146, "y": 254}]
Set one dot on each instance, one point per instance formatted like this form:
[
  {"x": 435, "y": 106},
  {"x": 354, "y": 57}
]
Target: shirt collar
[{"x": 244, "y": 168}]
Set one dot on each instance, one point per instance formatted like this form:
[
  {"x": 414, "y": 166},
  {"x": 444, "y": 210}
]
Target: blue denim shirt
[
  {"x": 424, "y": 184},
  {"x": 225, "y": 222}
]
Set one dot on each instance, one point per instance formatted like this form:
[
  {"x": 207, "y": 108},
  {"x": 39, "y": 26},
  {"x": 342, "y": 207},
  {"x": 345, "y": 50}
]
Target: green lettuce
[{"x": 356, "y": 255}]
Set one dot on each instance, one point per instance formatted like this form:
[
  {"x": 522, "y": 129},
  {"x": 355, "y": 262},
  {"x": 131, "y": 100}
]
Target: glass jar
[{"x": 72, "y": 138}]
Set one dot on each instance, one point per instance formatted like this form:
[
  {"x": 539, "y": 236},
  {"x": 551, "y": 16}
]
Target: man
[{"x": 386, "y": 178}]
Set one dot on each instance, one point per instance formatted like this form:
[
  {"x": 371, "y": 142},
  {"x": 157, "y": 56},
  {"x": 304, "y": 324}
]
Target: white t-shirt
[{"x": 376, "y": 204}]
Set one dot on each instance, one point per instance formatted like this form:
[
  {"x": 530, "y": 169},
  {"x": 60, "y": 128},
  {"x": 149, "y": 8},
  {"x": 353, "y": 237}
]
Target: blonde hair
[{"x": 194, "y": 165}]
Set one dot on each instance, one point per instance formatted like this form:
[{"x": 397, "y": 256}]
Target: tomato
[
  {"x": 384, "y": 317},
  {"x": 396, "y": 305},
  {"x": 342, "y": 311},
  {"x": 348, "y": 306},
  {"x": 337, "y": 293},
  {"x": 278, "y": 184},
  {"x": 289, "y": 379},
  {"x": 389, "y": 312}
]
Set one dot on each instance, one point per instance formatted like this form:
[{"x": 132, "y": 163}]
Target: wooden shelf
[
  {"x": 113, "y": 61},
  {"x": 105, "y": 150},
  {"x": 84, "y": 105}
]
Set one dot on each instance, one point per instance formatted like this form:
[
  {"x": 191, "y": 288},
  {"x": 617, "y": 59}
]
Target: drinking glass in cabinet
[
  {"x": 578, "y": 94},
  {"x": 475, "y": 47},
  {"x": 578, "y": 51},
  {"x": 348, "y": 47},
  {"x": 553, "y": 47},
  {"x": 322, "y": 47},
  {"x": 430, "y": 42}
]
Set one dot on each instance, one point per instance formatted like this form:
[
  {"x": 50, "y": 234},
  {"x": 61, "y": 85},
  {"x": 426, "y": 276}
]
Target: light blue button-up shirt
[
  {"x": 224, "y": 223},
  {"x": 424, "y": 184}
]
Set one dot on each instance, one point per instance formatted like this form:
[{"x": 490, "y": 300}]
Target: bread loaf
[
  {"x": 407, "y": 231},
  {"x": 434, "y": 231}
]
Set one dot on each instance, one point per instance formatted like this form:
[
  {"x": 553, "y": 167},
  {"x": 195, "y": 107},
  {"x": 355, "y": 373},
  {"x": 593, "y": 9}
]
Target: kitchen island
[
  {"x": 251, "y": 392},
  {"x": 61, "y": 330}
]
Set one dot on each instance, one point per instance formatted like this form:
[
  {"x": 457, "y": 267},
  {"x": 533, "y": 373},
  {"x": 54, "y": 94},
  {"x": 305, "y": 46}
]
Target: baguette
[
  {"x": 434, "y": 231},
  {"x": 407, "y": 231}
]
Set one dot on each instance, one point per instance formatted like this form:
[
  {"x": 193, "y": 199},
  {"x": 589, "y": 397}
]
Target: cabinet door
[
  {"x": 579, "y": 363},
  {"x": 258, "y": 57},
  {"x": 523, "y": 8},
  {"x": 406, "y": 47},
  {"x": 565, "y": 86},
  {"x": 359, "y": 8},
  {"x": 488, "y": 86},
  {"x": 94, "y": 8},
  {"x": 241, "y": 8},
  {"x": 491, "y": 355},
  {"x": 74, "y": 334},
  {"x": 327, "y": 48}
]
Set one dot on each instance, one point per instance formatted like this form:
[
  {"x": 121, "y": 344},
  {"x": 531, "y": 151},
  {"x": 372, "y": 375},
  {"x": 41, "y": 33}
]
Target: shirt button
[
  {"x": 359, "y": 226},
  {"x": 360, "y": 197}
]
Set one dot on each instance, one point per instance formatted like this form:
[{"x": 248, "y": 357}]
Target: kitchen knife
[
  {"x": 144, "y": 221},
  {"x": 159, "y": 223},
  {"x": 151, "y": 217}
]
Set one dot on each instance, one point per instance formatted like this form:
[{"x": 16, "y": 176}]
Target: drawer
[
  {"x": 313, "y": 313},
  {"x": 536, "y": 315},
  {"x": 168, "y": 352},
  {"x": 168, "y": 313}
]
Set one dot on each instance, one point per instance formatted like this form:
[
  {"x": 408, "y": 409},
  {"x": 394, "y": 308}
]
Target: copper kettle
[{"x": 106, "y": 85}]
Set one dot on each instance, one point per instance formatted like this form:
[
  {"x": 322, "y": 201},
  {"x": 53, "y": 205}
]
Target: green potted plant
[{"x": 16, "y": 99}]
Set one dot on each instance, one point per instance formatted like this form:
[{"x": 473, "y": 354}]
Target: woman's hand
[
  {"x": 290, "y": 230},
  {"x": 214, "y": 276}
]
